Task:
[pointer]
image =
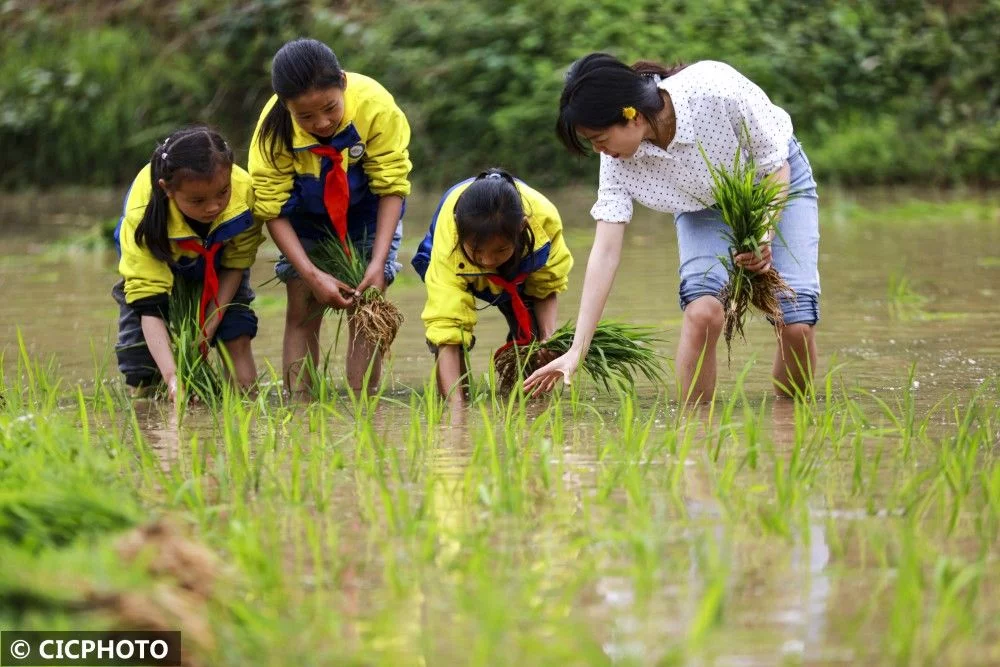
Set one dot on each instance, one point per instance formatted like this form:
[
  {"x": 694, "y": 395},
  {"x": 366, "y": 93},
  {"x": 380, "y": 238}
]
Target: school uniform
[
  {"x": 305, "y": 186},
  {"x": 199, "y": 253},
  {"x": 454, "y": 283}
]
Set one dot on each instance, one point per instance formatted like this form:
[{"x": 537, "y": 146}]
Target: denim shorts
[
  {"x": 795, "y": 250},
  {"x": 285, "y": 271}
]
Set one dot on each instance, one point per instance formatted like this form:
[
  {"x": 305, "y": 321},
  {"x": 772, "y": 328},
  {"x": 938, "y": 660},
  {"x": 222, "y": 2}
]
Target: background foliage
[{"x": 880, "y": 91}]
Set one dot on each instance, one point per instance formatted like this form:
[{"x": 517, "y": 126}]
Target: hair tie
[
  {"x": 163, "y": 155},
  {"x": 494, "y": 175},
  {"x": 629, "y": 113}
]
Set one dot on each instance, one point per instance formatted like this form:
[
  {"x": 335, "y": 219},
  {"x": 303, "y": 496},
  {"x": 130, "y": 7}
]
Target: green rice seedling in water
[
  {"x": 619, "y": 354},
  {"x": 55, "y": 476},
  {"x": 374, "y": 317},
  {"x": 34, "y": 386},
  {"x": 750, "y": 208},
  {"x": 197, "y": 375},
  {"x": 904, "y": 302}
]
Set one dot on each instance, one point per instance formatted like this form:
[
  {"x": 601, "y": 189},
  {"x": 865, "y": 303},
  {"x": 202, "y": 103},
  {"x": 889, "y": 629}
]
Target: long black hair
[
  {"x": 491, "y": 207},
  {"x": 191, "y": 152},
  {"x": 598, "y": 88},
  {"x": 298, "y": 67}
]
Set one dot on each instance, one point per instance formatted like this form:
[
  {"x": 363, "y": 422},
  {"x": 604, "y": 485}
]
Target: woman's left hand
[
  {"x": 751, "y": 262},
  {"x": 374, "y": 277}
]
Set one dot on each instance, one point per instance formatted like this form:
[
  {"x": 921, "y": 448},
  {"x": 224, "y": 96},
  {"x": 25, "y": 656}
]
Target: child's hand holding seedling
[
  {"x": 332, "y": 292},
  {"x": 374, "y": 277}
]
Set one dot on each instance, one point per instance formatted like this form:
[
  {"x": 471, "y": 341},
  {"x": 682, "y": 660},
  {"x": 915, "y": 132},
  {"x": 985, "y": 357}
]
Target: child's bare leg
[
  {"x": 240, "y": 352},
  {"x": 360, "y": 353},
  {"x": 301, "y": 339}
]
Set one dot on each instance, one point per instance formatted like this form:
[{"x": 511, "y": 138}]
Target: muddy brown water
[{"x": 60, "y": 298}]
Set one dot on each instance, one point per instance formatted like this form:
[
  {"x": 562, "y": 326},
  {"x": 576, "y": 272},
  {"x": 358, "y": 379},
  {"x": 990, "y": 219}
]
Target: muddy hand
[{"x": 334, "y": 293}]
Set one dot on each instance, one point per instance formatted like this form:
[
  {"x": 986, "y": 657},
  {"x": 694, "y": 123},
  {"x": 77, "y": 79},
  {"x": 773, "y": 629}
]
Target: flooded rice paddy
[{"x": 858, "y": 527}]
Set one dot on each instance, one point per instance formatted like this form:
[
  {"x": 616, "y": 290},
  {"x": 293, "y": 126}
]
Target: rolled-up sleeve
[
  {"x": 769, "y": 126},
  {"x": 614, "y": 203}
]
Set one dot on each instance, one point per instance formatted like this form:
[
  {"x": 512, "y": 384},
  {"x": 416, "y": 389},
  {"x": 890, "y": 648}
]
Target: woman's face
[
  {"x": 618, "y": 141},
  {"x": 202, "y": 199},
  {"x": 318, "y": 111}
]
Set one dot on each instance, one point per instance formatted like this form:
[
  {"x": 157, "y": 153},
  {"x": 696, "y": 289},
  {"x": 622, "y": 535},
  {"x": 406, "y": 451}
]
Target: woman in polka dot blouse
[{"x": 647, "y": 122}]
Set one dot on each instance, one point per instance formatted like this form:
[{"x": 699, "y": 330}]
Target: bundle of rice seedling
[
  {"x": 196, "y": 372},
  {"x": 373, "y": 316},
  {"x": 618, "y": 354},
  {"x": 750, "y": 209}
]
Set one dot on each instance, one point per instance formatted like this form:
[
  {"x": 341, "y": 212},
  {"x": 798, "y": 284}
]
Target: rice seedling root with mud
[
  {"x": 373, "y": 316},
  {"x": 750, "y": 207}
]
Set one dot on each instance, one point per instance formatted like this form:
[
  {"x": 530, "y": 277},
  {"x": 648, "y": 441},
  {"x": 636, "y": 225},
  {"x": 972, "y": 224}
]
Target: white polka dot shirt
[{"x": 711, "y": 102}]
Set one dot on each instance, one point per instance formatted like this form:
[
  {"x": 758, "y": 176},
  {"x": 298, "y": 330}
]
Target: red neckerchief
[
  {"x": 521, "y": 314},
  {"x": 336, "y": 192},
  {"x": 210, "y": 288}
]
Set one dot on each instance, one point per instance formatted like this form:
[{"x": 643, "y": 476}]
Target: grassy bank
[{"x": 880, "y": 92}]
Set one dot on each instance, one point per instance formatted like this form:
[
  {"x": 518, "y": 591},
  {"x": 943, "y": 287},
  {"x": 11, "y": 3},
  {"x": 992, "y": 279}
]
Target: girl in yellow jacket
[
  {"x": 187, "y": 216},
  {"x": 329, "y": 157},
  {"x": 495, "y": 239}
]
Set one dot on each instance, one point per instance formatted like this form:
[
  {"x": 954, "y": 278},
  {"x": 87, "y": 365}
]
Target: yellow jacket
[
  {"x": 454, "y": 282},
  {"x": 146, "y": 276},
  {"x": 374, "y": 136}
]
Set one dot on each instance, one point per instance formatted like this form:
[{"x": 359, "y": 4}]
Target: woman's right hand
[
  {"x": 544, "y": 379},
  {"x": 330, "y": 292}
]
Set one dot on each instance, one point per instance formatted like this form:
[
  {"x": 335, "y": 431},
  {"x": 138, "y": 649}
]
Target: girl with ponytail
[
  {"x": 329, "y": 159},
  {"x": 495, "y": 239},
  {"x": 187, "y": 216}
]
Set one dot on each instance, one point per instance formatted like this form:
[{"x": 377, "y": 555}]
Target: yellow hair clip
[{"x": 629, "y": 113}]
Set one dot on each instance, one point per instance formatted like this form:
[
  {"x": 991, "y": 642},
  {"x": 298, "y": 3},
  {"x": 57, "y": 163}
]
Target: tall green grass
[
  {"x": 569, "y": 531},
  {"x": 199, "y": 376}
]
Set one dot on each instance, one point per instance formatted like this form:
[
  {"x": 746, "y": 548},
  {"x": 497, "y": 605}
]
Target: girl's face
[
  {"x": 202, "y": 199},
  {"x": 318, "y": 111},
  {"x": 492, "y": 254},
  {"x": 618, "y": 141}
]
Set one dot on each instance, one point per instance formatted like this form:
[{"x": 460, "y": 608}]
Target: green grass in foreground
[{"x": 370, "y": 531}]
